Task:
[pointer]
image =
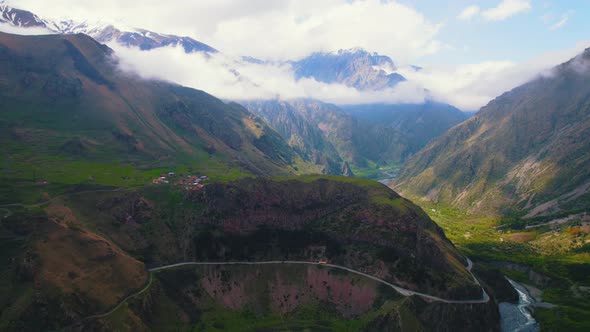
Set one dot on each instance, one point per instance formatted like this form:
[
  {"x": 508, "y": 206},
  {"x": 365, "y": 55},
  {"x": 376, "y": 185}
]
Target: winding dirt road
[{"x": 403, "y": 291}]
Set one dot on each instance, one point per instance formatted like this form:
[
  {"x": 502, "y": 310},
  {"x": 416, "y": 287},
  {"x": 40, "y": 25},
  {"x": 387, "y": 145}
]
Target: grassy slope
[
  {"x": 53, "y": 270},
  {"x": 69, "y": 116}
]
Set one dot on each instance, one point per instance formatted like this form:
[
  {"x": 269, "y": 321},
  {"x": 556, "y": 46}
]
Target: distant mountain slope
[
  {"x": 302, "y": 134},
  {"x": 62, "y": 97},
  {"x": 141, "y": 38},
  {"x": 358, "y": 142},
  {"x": 418, "y": 123},
  {"x": 527, "y": 150},
  {"x": 361, "y": 134},
  {"x": 321, "y": 128},
  {"x": 355, "y": 68}
]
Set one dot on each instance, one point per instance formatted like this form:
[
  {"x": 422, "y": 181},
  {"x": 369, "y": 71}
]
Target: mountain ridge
[{"x": 524, "y": 151}]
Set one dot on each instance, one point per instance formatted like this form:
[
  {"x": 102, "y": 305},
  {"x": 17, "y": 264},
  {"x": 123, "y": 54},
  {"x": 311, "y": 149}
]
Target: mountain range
[
  {"x": 66, "y": 107},
  {"x": 110, "y": 180},
  {"x": 334, "y": 142},
  {"x": 19, "y": 17}
]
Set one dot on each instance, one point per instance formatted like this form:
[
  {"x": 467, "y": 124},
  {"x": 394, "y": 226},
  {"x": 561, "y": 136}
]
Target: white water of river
[{"x": 517, "y": 317}]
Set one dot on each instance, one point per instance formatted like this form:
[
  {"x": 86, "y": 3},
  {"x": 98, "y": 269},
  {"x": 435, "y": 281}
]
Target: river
[
  {"x": 389, "y": 176},
  {"x": 517, "y": 317}
]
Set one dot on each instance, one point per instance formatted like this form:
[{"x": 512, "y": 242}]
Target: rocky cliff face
[
  {"x": 301, "y": 134},
  {"x": 417, "y": 124}
]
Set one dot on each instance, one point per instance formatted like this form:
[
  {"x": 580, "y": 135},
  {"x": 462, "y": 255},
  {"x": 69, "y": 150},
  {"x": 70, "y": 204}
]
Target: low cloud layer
[
  {"x": 472, "y": 86},
  {"x": 233, "y": 79},
  {"x": 468, "y": 87},
  {"x": 5, "y": 27}
]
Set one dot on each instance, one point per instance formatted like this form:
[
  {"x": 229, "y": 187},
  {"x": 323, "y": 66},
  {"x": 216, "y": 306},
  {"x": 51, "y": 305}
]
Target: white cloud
[
  {"x": 232, "y": 79},
  {"x": 471, "y": 86},
  {"x": 562, "y": 21},
  {"x": 278, "y": 29},
  {"x": 8, "y": 28},
  {"x": 506, "y": 9},
  {"x": 468, "y": 87},
  {"x": 469, "y": 12}
]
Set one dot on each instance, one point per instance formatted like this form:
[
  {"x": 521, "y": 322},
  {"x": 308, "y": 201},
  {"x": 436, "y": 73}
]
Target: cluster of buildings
[
  {"x": 189, "y": 182},
  {"x": 163, "y": 179}
]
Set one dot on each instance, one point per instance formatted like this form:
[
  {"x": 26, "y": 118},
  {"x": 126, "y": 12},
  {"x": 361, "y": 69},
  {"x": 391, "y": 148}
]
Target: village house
[{"x": 189, "y": 183}]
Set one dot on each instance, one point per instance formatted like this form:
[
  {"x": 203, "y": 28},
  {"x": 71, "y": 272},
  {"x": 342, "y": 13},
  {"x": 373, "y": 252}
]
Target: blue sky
[{"x": 519, "y": 37}]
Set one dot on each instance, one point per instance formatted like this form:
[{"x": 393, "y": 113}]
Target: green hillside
[{"x": 69, "y": 116}]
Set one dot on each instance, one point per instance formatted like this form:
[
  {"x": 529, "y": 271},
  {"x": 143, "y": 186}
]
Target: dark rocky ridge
[{"x": 364, "y": 225}]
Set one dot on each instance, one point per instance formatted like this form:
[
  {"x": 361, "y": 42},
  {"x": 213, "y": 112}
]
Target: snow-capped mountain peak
[
  {"x": 18, "y": 17},
  {"x": 354, "y": 67},
  {"x": 102, "y": 31}
]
